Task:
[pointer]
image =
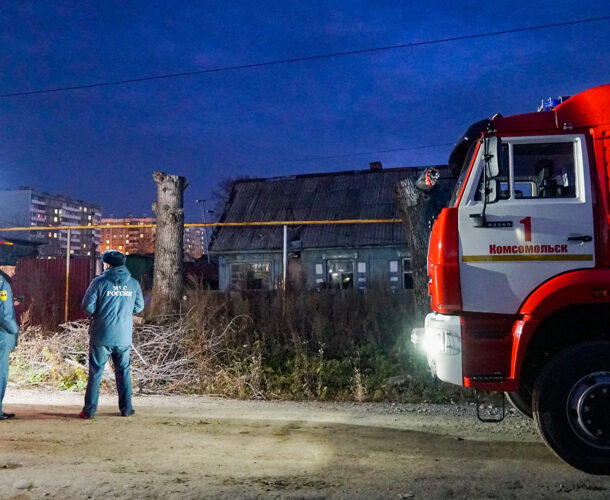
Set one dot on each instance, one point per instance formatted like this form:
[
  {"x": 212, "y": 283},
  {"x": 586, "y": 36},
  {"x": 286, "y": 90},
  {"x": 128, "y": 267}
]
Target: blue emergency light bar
[{"x": 550, "y": 103}]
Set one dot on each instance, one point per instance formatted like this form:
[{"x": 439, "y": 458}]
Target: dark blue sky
[{"x": 103, "y": 144}]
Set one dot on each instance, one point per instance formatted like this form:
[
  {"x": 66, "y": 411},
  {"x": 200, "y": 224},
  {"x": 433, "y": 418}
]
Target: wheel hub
[{"x": 589, "y": 409}]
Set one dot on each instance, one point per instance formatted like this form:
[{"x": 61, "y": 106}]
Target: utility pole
[{"x": 201, "y": 204}]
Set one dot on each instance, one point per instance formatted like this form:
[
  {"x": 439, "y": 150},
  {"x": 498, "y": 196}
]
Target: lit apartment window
[
  {"x": 88, "y": 217},
  {"x": 85, "y": 209},
  {"x": 54, "y": 235},
  {"x": 84, "y": 245},
  {"x": 50, "y": 235},
  {"x": 88, "y": 254},
  {"x": 141, "y": 235},
  {"x": 126, "y": 253},
  {"x": 107, "y": 241},
  {"x": 55, "y": 211},
  {"x": 54, "y": 219},
  {"x": 89, "y": 223},
  {"x": 120, "y": 247},
  {"x": 107, "y": 247},
  {"x": 71, "y": 251}
]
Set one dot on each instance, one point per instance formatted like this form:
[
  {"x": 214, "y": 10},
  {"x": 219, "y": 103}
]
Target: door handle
[{"x": 585, "y": 238}]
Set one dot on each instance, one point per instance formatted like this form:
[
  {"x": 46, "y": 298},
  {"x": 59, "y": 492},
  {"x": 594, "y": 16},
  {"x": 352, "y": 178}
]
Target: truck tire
[
  {"x": 521, "y": 401},
  {"x": 571, "y": 403}
]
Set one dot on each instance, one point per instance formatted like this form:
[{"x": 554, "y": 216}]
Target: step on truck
[{"x": 519, "y": 271}]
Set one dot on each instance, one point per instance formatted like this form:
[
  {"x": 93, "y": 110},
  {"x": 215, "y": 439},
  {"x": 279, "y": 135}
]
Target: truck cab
[{"x": 519, "y": 270}]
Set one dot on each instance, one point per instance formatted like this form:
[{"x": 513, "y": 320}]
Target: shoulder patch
[{"x": 3, "y": 295}]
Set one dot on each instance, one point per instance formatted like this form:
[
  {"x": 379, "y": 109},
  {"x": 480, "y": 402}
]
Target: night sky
[{"x": 103, "y": 144}]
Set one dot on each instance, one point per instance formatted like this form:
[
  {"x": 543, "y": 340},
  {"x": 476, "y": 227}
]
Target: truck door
[{"x": 539, "y": 226}]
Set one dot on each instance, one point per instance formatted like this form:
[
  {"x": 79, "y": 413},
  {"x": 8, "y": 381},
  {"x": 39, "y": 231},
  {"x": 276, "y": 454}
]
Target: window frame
[
  {"x": 239, "y": 283},
  {"x": 582, "y": 188},
  {"x": 329, "y": 282},
  {"x": 406, "y": 272}
]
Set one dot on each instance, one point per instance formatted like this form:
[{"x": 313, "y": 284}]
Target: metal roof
[{"x": 358, "y": 194}]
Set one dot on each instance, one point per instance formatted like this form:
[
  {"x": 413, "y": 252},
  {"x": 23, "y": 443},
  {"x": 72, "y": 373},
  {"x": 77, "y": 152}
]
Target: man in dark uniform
[
  {"x": 8, "y": 338},
  {"x": 111, "y": 301}
]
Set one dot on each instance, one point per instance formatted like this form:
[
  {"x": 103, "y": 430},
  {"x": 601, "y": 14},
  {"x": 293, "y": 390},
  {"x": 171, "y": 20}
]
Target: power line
[
  {"x": 306, "y": 58},
  {"x": 373, "y": 152}
]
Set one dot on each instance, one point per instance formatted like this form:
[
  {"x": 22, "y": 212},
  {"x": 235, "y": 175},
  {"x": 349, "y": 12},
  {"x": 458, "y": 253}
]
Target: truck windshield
[{"x": 462, "y": 175}]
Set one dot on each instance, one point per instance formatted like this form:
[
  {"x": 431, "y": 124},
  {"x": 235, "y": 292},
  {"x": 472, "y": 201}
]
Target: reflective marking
[{"x": 526, "y": 258}]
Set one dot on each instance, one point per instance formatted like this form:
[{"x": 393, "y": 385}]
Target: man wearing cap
[
  {"x": 111, "y": 301},
  {"x": 8, "y": 338}
]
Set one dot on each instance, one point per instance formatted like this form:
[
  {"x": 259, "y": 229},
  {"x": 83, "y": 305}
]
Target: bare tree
[
  {"x": 418, "y": 208},
  {"x": 167, "y": 286}
]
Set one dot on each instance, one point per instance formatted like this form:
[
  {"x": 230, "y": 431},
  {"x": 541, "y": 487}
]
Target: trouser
[
  {"x": 4, "y": 355},
  {"x": 121, "y": 361}
]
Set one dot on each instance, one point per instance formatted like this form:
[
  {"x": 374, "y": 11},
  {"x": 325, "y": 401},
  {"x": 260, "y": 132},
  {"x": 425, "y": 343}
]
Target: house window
[
  {"x": 393, "y": 266},
  {"x": 407, "y": 274},
  {"x": 251, "y": 276},
  {"x": 340, "y": 273}
]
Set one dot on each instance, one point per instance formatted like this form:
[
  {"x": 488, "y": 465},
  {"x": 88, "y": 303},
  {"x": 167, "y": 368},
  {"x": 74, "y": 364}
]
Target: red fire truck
[{"x": 519, "y": 271}]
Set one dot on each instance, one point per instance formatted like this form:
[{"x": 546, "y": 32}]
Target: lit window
[
  {"x": 54, "y": 235},
  {"x": 340, "y": 273},
  {"x": 50, "y": 235},
  {"x": 54, "y": 219},
  {"x": 141, "y": 235},
  {"x": 107, "y": 241},
  {"x": 88, "y": 217},
  {"x": 127, "y": 242},
  {"x": 88, "y": 253},
  {"x": 120, "y": 247},
  {"x": 85, "y": 209},
  {"x": 71, "y": 251},
  {"x": 107, "y": 247}
]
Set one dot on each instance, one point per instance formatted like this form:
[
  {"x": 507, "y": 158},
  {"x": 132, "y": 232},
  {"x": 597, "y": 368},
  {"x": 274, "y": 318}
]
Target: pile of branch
[{"x": 165, "y": 357}]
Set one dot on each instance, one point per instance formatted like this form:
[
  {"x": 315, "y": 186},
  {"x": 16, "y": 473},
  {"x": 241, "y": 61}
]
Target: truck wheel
[
  {"x": 571, "y": 402},
  {"x": 521, "y": 401}
]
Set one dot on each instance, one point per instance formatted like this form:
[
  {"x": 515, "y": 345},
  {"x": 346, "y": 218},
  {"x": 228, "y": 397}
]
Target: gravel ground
[{"x": 203, "y": 447}]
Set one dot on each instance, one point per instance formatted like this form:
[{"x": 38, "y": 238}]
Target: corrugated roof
[{"x": 358, "y": 194}]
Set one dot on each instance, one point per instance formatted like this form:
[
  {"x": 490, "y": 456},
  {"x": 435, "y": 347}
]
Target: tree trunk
[
  {"x": 418, "y": 209},
  {"x": 415, "y": 208},
  {"x": 167, "y": 286}
]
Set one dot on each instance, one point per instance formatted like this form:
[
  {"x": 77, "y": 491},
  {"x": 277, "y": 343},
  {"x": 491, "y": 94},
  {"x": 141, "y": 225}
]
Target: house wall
[{"x": 371, "y": 266}]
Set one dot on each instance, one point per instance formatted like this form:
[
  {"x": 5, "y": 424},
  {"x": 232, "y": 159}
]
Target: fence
[{"x": 74, "y": 278}]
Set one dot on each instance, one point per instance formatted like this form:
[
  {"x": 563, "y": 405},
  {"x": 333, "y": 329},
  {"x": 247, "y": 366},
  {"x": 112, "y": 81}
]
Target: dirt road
[{"x": 200, "y": 447}]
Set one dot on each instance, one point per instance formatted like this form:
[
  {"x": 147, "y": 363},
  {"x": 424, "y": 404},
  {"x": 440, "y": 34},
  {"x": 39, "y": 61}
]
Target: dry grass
[{"x": 305, "y": 345}]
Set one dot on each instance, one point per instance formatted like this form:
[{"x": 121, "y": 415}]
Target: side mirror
[
  {"x": 427, "y": 179},
  {"x": 492, "y": 157}
]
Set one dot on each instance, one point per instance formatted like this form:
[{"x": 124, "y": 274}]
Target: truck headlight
[{"x": 435, "y": 341}]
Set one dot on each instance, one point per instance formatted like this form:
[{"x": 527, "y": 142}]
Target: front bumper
[{"x": 441, "y": 339}]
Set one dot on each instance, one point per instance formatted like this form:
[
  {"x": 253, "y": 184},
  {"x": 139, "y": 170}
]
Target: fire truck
[{"x": 519, "y": 271}]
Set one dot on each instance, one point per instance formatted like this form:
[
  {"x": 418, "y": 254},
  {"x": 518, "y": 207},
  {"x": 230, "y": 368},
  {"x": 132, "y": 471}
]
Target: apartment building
[
  {"x": 135, "y": 238},
  {"x": 194, "y": 242},
  {"x": 27, "y": 206}
]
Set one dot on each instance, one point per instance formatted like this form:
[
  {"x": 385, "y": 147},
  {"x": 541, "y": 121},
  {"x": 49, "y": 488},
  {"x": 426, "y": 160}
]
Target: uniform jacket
[
  {"x": 111, "y": 300},
  {"x": 8, "y": 325}
]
